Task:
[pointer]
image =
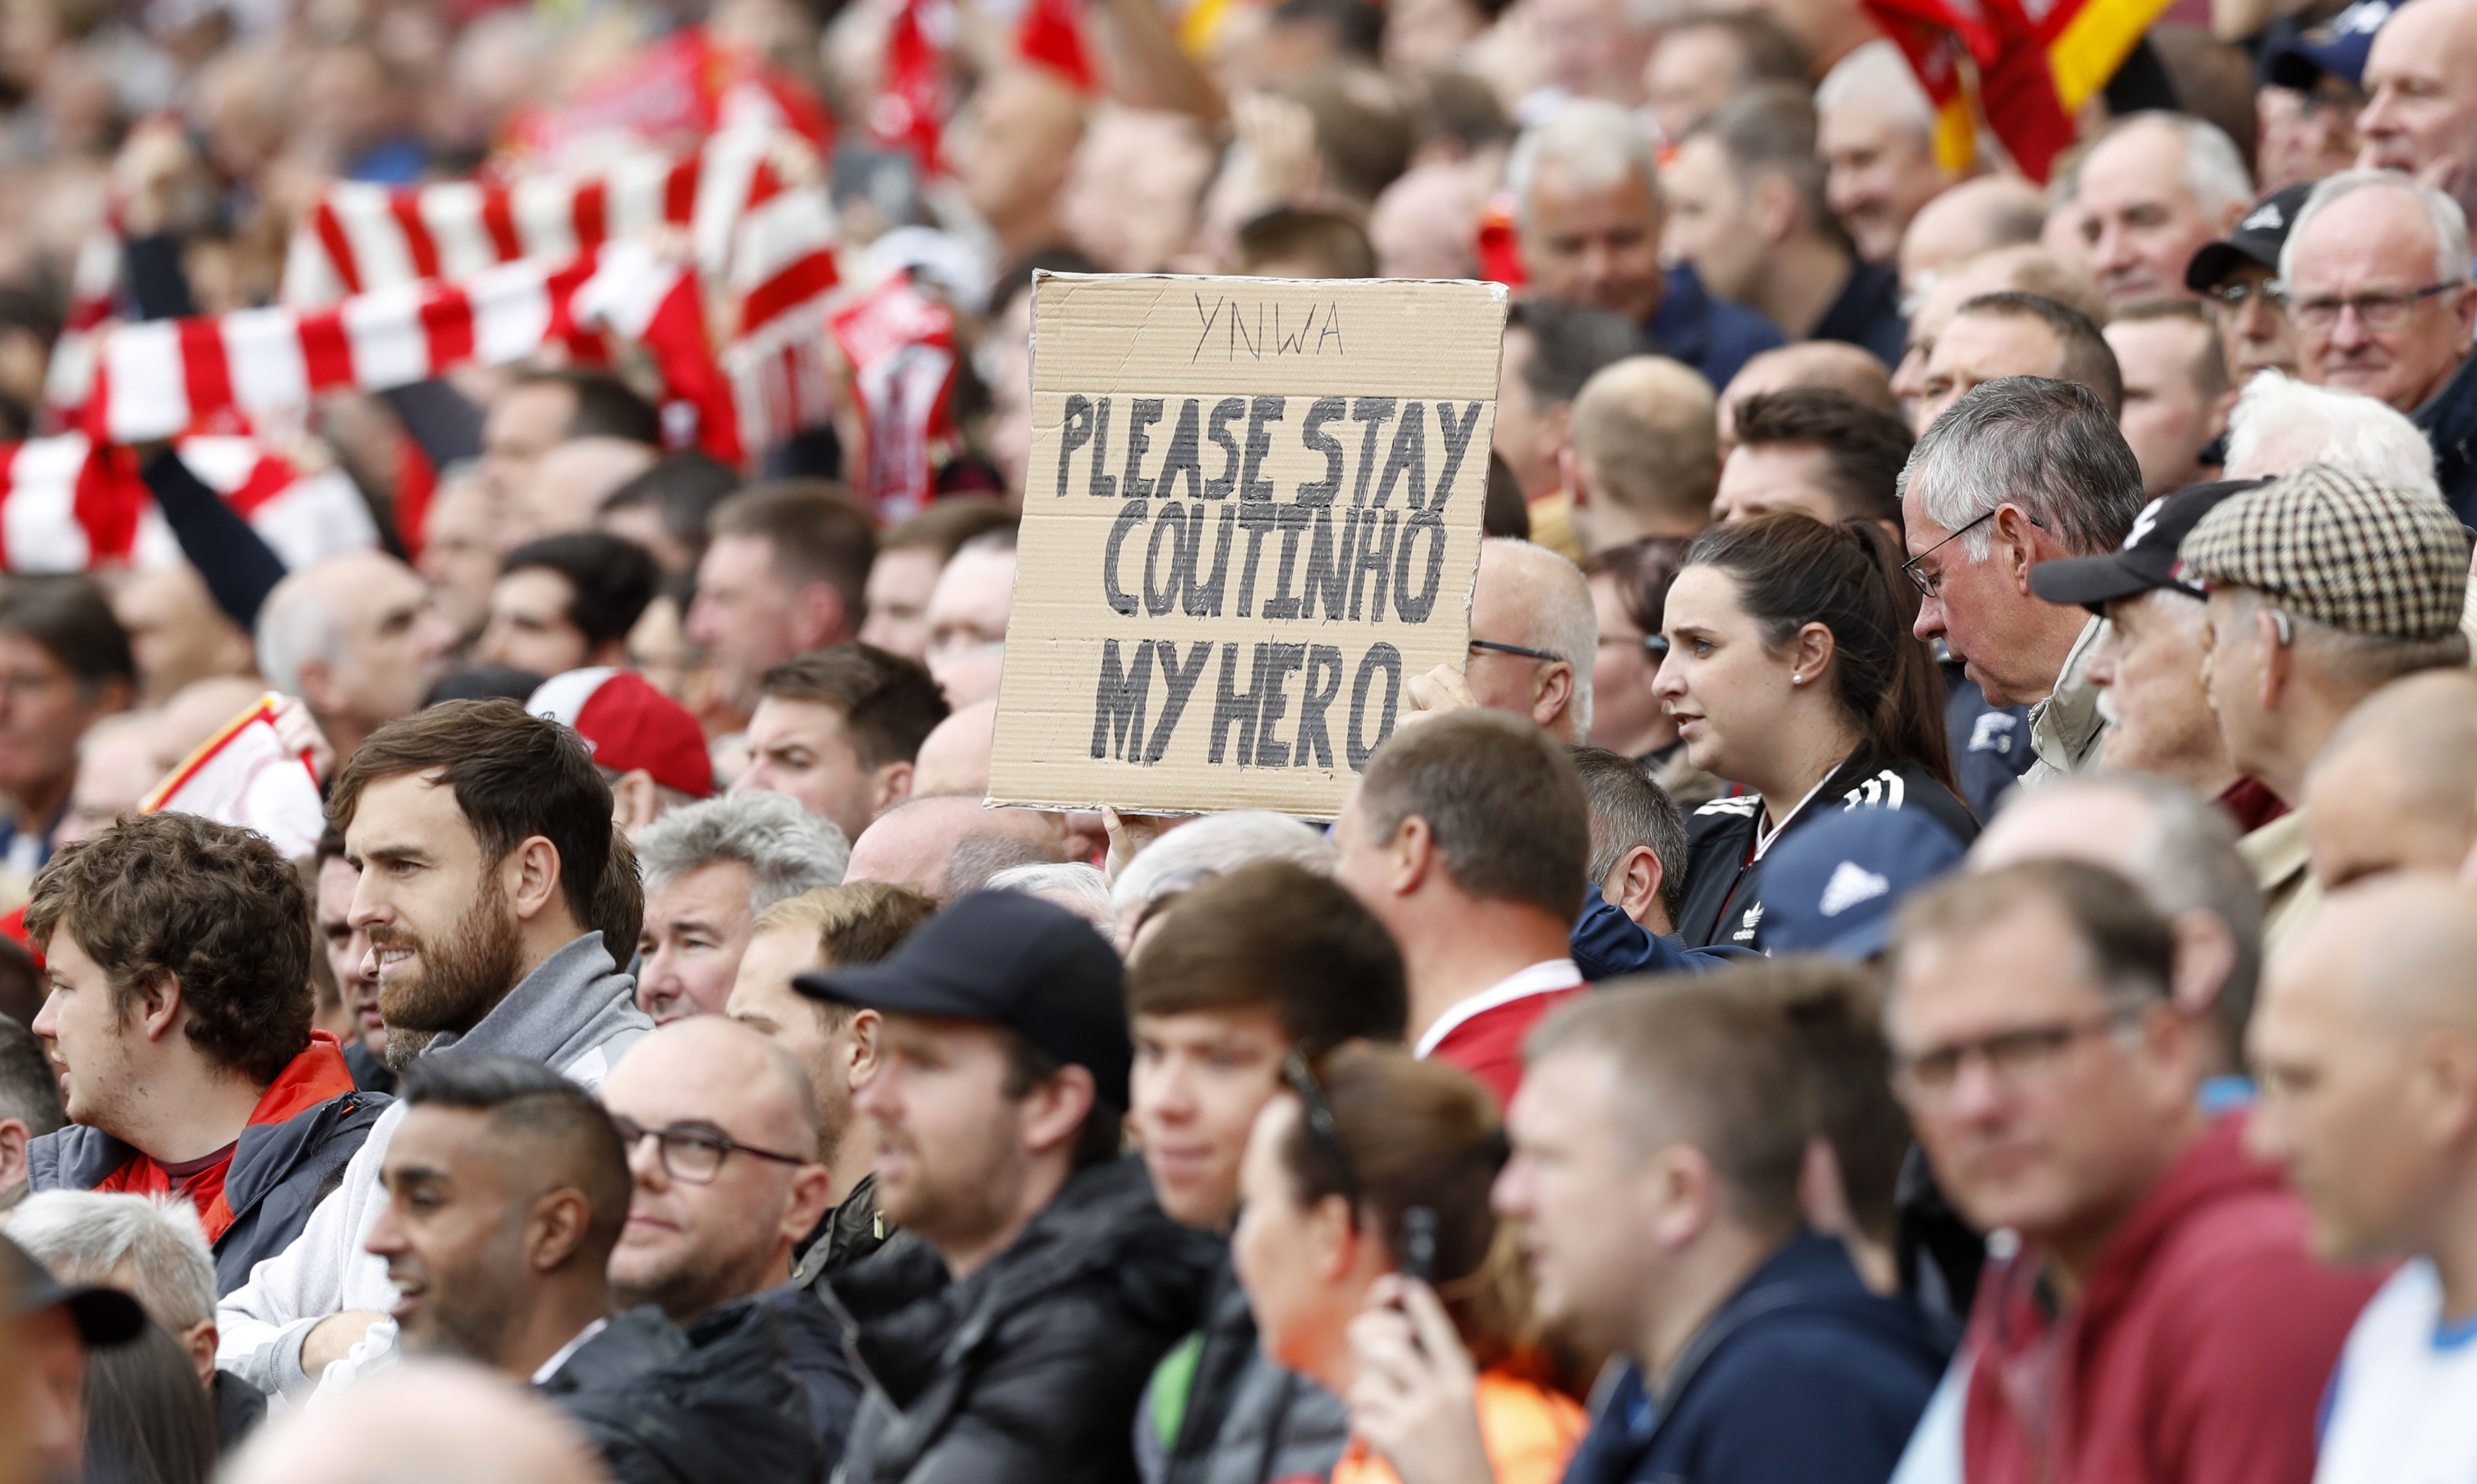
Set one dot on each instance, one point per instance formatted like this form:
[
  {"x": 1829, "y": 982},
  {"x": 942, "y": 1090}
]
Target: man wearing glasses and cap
[
  {"x": 1010, "y": 1339},
  {"x": 2233, "y": 277},
  {"x": 56, "y": 1326}
]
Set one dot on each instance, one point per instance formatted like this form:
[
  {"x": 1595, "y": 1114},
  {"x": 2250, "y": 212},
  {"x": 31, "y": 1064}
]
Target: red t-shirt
[{"x": 1483, "y": 1034}]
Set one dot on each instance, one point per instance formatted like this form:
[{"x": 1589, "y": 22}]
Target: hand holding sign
[{"x": 1254, "y": 517}]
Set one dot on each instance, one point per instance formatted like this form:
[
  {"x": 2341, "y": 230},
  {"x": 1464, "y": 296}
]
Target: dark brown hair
[
  {"x": 1334, "y": 244},
  {"x": 818, "y": 535},
  {"x": 1792, "y": 570},
  {"x": 213, "y": 905},
  {"x": 1835, "y": 1011},
  {"x": 1421, "y": 1135},
  {"x": 1700, "y": 1064},
  {"x": 1865, "y": 448},
  {"x": 887, "y": 702},
  {"x": 1643, "y": 571},
  {"x": 515, "y": 776},
  {"x": 1276, "y": 936},
  {"x": 69, "y": 617}
]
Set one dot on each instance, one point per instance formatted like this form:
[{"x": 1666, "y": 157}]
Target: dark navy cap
[
  {"x": 1831, "y": 887},
  {"x": 2147, "y": 559},
  {"x": 2338, "y": 47},
  {"x": 1008, "y": 959},
  {"x": 104, "y": 1316},
  {"x": 2257, "y": 239}
]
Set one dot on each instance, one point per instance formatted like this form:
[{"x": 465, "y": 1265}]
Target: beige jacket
[
  {"x": 2067, "y": 728},
  {"x": 2290, "y": 894}
]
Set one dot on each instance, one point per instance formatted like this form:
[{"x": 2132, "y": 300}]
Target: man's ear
[
  {"x": 636, "y": 800},
  {"x": 2274, "y": 659},
  {"x": 1555, "y": 692},
  {"x": 318, "y": 688},
  {"x": 1054, "y": 1110},
  {"x": 1639, "y": 878},
  {"x": 817, "y": 614},
  {"x": 862, "y": 1028},
  {"x": 531, "y": 878},
  {"x": 156, "y": 1006},
  {"x": 888, "y": 787},
  {"x": 1571, "y": 474},
  {"x": 199, "y": 1340},
  {"x": 2015, "y": 545},
  {"x": 15, "y": 1136},
  {"x": 2206, "y": 953},
  {"x": 1411, "y": 855},
  {"x": 1773, "y": 203},
  {"x": 555, "y": 1226}
]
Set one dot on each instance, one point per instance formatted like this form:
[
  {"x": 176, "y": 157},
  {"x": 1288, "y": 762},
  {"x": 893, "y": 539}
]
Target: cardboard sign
[{"x": 1252, "y": 517}]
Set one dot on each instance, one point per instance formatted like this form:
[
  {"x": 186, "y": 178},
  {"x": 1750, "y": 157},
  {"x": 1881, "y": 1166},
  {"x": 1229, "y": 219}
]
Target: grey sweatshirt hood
[{"x": 576, "y": 1013}]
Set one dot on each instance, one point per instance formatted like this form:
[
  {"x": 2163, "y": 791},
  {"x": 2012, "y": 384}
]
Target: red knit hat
[{"x": 630, "y": 725}]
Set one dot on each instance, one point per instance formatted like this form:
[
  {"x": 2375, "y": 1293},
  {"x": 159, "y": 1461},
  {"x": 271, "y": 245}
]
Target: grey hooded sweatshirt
[{"x": 576, "y": 1013}]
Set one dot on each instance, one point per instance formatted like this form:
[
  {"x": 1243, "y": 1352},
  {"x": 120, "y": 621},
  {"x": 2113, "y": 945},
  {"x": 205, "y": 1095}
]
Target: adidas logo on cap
[{"x": 1851, "y": 883}]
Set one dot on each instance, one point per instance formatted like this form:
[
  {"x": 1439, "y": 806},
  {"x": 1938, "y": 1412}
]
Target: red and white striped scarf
[{"x": 66, "y": 506}]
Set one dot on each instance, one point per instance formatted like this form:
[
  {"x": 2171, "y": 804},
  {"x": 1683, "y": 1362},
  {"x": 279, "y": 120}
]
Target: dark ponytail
[{"x": 1792, "y": 570}]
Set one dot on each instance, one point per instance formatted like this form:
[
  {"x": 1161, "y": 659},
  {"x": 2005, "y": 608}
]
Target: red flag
[
  {"x": 911, "y": 103},
  {"x": 2033, "y": 67},
  {"x": 1052, "y": 34},
  {"x": 901, "y": 346}
]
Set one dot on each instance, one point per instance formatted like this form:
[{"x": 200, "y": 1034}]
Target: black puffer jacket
[
  {"x": 1029, "y": 1370},
  {"x": 715, "y": 1403}
]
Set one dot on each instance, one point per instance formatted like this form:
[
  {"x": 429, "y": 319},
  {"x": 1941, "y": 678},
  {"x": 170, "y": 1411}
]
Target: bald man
[
  {"x": 2396, "y": 788},
  {"x": 1643, "y": 453},
  {"x": 1535, "y": 636},
  {"x": 355, "y": 638},
  {"x": 2366, "y": 1046},
  {"x": 1972, "y": 217},
  {"x": 698, "y": 1240},
  {"x": 953, "y": 759},
  {"x": 950, "y": 845},
  {"x": 1834, "y": 366}
]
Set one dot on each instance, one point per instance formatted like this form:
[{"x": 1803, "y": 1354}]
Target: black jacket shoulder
[
  {"x": 1724, "y": 888},
  {"x": 715, "y": 1403},
  {"x": 1029, "y": 1369}
]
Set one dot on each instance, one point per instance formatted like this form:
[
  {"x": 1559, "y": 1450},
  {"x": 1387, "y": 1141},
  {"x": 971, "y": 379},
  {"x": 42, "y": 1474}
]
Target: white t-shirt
[{"x": 2403, "y": 1404}]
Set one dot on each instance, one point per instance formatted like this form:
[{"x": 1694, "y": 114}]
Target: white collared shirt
[{"x": 560, "y": 1356}]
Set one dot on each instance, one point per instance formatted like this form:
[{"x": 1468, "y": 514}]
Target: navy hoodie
[{"x": 1804, "y": 1375}]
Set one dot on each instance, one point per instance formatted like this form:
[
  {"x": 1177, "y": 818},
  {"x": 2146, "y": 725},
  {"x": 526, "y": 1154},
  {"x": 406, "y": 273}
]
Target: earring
[{"x": 1797, "y": 680}]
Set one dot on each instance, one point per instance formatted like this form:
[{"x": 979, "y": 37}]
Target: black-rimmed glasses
[
  {"x": 1651, "y": 644},
  {"x": 1930, "y": 586},
  {"x": 1494, "y": 647},
  {"x": 691, "y": 1154},
  {"x": 2379, "y": 310},
  {"x": 1322, "y": 1130}
]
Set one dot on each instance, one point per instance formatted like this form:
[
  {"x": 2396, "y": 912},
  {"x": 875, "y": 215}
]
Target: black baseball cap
[
  {"x": 2257, "y": 239},
  {"x": 104, "y": 1316},
  {"x": 1010, "y": 959},
  {"x": 2147, "y": 559}
]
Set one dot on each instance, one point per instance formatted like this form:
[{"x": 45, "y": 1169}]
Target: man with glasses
[
  {"x": 2156, "y": 1314},
  {"x": 508, "y": 1190},
  {"x": 2378, "y": 295},
  {"x": 1534, "y": 640},
  {"x": 2022, "y": 470},
  {"x": 2233, "y": 275}
]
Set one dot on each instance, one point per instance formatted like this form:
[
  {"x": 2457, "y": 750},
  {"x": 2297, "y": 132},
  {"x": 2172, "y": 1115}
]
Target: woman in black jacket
[{"x": 1791, "y": 673}]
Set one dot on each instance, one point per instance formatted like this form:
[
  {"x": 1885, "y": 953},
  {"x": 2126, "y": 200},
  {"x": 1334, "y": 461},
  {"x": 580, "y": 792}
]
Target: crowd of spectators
[{"x": 1931, "y": 935}]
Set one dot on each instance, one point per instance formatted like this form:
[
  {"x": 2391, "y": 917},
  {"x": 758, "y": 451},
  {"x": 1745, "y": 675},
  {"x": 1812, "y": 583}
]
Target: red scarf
[{"x": 312, "y": 1078}]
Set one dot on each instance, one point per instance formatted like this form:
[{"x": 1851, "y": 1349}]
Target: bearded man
[{"x": 483, "y": 841}]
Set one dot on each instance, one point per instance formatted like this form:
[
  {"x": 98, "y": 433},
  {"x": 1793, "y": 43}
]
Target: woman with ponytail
[
  {"x": 1791, "y": 673},
  {"x": 1366, "y": 1181}
]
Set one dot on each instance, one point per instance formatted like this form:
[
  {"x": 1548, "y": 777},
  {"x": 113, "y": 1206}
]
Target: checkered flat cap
[{"x": 2347, "y": 551}]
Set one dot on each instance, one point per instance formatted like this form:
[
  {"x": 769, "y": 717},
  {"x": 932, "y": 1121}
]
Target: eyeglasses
[
  {"x": 694, "y": 1155},
  {"x": 2381, "y": 309},
  {"x": 1494, "y": 646},
  {"x": 2232, "y": 297},
  {"x": 2018, "y": 1058},
  {"x": 1929, "y": 587},
  {"x": 1651, "y": 644},
  {"x": 1322, "y": 1130}
]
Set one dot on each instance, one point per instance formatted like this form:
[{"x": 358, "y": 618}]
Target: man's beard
[
  {"x": 455, "y": 981},
  {"x": 472, "y": 1313}
]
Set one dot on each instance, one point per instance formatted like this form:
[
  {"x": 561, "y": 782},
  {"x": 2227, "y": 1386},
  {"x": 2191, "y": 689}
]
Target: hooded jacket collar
[{"x": 573, "y": 1003}]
